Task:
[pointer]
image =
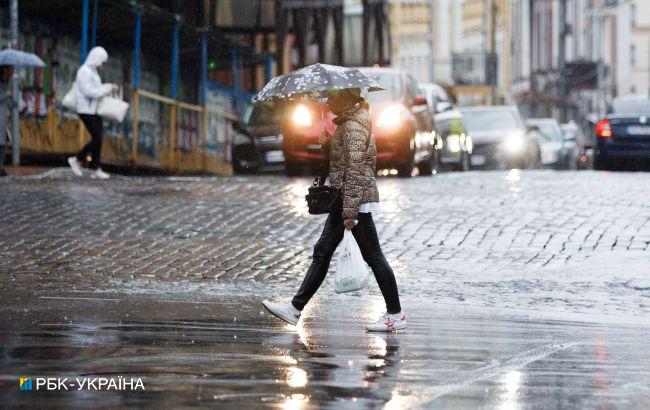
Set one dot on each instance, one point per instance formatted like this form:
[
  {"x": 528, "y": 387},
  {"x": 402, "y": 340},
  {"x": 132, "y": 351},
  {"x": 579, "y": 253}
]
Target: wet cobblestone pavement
[{"x": 522, "y": 288}]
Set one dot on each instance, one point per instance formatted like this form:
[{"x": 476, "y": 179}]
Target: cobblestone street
[
  {"x": 536, "y": 239},
  {"x": 508, "y": 278}
]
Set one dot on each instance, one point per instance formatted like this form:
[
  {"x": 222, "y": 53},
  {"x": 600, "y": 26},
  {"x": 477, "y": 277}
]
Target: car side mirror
[
  {"x": 419, "y": 100},
  {"x": 442, "y": 106},
  {"x": 237, "y": 126}
]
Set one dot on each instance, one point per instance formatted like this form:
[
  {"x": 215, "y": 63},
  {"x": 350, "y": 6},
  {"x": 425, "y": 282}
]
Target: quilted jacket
[{"x": 353, "y": 160}]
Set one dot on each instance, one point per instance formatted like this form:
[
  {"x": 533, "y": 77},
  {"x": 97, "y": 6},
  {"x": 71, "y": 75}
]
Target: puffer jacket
[{"x": 353, "y": 160}]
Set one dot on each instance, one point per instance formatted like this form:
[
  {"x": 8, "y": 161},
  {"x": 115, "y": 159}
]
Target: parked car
[
  {"x": 571, "y": 132},
  {"x": 437, "y": 98},
  {"x": 456, "y": 142},
  {"x": 554, "y": 151},
  {"x": 257, "y": 145},
  {"x": 401, "y": 123},
  {"x": 499, "y": 137},
  {"x": 623, "y": 137}
]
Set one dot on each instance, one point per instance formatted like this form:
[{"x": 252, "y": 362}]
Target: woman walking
[
  {"x": 353, "y": 157},
  {"x": 89, "y": 90}
]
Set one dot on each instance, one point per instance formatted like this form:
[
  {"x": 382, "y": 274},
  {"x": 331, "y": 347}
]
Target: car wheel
[
  {"x": 464, "y": 164},
  {"x": 405, "y": 170},
  {"x": 427, "y": 167},
  {"x": 600, "y": 163}
]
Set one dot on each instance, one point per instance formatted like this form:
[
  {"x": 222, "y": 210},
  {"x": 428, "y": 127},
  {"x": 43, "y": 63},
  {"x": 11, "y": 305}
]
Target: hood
[
  {"x": 490, "y": 137},
  {"x": 96, "y": 57}
]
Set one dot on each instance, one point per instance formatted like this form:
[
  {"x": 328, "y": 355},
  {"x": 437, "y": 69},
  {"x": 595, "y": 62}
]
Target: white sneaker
[
  {"x": 99, "y": 174},
  {"x": 284, "y": 311},
  {"x": 388, "y": 323},
  {"x": 75, "y": 166}
]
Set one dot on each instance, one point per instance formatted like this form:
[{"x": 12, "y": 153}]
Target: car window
[
  {"x": 449, "y": 126},
  {"x": 263, "y": 114},
  {"x": 548, "y": 131},
  {"x": 412, "y": 88},
  {"x": 391, "y": 82},
  {"x": 490, "y": 120}
]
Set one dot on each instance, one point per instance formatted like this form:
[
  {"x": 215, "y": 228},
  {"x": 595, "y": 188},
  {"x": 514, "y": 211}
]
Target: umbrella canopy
[
  {"x": 314, "y": 81},
  {"x": 19, "y": 58}
]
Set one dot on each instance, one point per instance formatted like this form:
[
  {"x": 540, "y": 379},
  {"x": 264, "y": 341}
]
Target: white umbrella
[{"x": 19, "y": 58}]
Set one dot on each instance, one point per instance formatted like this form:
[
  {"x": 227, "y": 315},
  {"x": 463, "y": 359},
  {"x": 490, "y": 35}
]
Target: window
[
  {"x": 633, "y": 15},
  {"x": 632, "y": 55}
]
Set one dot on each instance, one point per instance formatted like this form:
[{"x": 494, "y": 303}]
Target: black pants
[
  {"x": 95, "y": 127},
  {"x": 366, "y": 236}
]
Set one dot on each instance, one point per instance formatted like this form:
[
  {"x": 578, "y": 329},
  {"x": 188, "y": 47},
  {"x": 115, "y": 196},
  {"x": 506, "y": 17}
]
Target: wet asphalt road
[{"x": 523, "y": 290}]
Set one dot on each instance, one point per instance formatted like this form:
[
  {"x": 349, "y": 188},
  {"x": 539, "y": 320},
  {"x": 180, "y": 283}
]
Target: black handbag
[{"x": 322, "y": 198}]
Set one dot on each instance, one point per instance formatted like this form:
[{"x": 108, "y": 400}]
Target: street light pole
[{"x": 15, "y": 144}]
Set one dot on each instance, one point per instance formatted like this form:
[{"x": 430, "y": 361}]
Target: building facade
[{"x": 570, "y": 57}]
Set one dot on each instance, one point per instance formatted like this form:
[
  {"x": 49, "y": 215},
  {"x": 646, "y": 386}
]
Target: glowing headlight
[
  {"x": 301, "y": 115},
  {"x": 390, "y": 116},
  {"x": 453, "y": 143},
  {"x": 514, "y": 143}
]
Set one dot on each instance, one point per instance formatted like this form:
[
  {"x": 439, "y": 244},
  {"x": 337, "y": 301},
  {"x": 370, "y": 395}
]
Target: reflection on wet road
[{"x": 224, "y": 351}]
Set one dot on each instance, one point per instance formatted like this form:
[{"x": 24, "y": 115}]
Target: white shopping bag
[
  {"x": 112, "y": 108},
  {"x": 70, "y": 98},
  {"x": 351, "y": 270}
]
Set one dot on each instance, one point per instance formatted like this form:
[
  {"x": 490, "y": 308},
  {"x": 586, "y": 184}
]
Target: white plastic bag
[
  {"x": 70, "y": 98},
  {"x": 112, "y": 108},
  {"x": 351, "y": 270}
]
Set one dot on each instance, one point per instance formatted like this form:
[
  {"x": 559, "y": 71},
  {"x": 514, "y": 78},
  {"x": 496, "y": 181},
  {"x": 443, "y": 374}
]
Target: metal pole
[
  {"x": 15, "y": 123},
  {"x": 204, "y": 65},
  {"x": 93, "y": 36},
  {"x": 175, "y": 49},
  {"x": 432, "y": 28},
  {"x": 84, "y": 29}
]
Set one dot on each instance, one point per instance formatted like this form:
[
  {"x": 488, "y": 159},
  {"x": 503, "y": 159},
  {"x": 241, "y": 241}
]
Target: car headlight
[
  {"x": 514, "y": 143},
  {"x": 453, "y": 143},
  {"x": 301, "y": 115},
  {"x": 391, "y": 116}
]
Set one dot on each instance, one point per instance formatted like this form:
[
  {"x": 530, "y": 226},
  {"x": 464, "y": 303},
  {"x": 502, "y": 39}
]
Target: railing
[{"x": 179, "y": 136}]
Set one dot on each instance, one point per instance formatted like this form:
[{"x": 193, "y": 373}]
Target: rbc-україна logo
[{"x": 25, "y": 383}]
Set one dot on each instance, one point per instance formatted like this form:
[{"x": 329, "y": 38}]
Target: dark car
[
  {"x": 572, "y": 133},
  {"x": 623, "y": 137},
  {"x": 555, "y": 152},
  {"x": 500, "y": 137},
  {"x": 456, "y": 142},
  {"x": 401, "y": 123},
  {"x": 257, "y": 145}
]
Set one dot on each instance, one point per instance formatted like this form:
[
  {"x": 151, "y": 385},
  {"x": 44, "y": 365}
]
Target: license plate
[
  {"x": 314, "y": 147},
  {"x": 477, "y": 159},
  {"x": 638, "y": 130},
  {"x": 274, "y": 156}
]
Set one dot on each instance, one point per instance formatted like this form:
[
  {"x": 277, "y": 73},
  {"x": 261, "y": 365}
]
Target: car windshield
[
  {"x": 263, "y": 114},
  {"x": 631, "y": 106},
  {"x": 490, "y": 120},
  {"x": 450, "y": 126},
  {"x": 548, "y": 130},
  {"x": 391, "y": 82}
]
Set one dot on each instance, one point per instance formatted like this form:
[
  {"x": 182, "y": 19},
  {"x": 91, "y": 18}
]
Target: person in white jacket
[{"x": 89, "y": 90}]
